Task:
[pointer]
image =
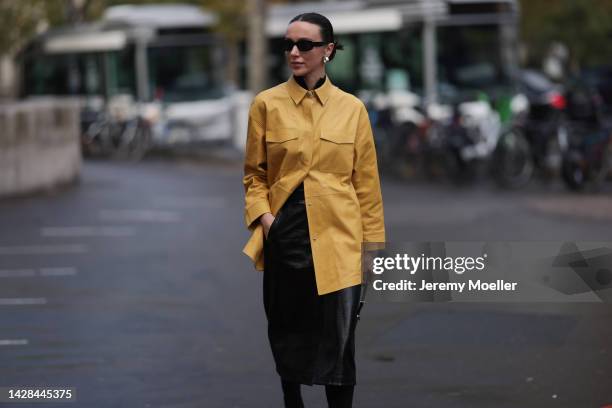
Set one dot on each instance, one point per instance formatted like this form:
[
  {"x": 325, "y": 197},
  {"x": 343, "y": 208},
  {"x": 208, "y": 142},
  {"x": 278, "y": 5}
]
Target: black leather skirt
[{"x": 312, "y": 337}]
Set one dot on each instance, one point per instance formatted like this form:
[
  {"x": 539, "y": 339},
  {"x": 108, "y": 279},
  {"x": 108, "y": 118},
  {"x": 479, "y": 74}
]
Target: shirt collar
[{"x": 297, "y": 93}]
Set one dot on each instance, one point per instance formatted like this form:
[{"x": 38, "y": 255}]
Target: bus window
[
  {"x": 402, "y": 54},
  {"x": 183, "y": 73},
  {"x": 76, "y": 74},
  {"x": 371, "y": 67},
  {"x": 470, "y": 58},
  {"x": 391, "y": 59},
  {"x": 80, "y": 74},
  {"x": 121, "y": 72}
]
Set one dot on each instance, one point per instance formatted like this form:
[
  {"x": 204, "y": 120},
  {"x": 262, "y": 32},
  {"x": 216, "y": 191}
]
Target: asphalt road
[{"x": 131, "y": 288}]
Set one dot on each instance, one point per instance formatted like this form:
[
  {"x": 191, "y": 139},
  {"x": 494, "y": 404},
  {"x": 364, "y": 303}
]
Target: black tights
[{"x": 338, "y": 396}]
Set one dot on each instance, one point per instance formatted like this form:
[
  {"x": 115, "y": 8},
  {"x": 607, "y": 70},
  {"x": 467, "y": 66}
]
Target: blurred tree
[
  {"x": 584, "y": 26},
  {"x": 21, "y": 19},
  {"x": 18, "y": 21},
  {"x": 244, "y": 21},
  {"x": 232, "y": 25},
  {"x": 257, "y": 50}
]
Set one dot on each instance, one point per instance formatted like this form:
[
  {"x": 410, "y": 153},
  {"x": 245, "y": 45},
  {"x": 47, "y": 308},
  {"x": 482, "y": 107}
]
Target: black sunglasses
[{"x": 303, "y": 45}]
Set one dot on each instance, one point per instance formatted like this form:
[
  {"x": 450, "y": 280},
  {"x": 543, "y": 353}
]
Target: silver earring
[{"x": 325, "y": 59}]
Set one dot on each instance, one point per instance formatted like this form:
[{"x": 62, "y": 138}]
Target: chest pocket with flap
[
  {"x": 282, "y": 148},
  {"x": 336, "y": 151}
]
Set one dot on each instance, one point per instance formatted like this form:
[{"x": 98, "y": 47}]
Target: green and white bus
[
  {"x": 163, "y": 57},
  {"x": 432, "y": 47}
]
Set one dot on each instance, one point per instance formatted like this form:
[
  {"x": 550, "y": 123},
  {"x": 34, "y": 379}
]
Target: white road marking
[
  {"x": 44, "y": 249},
  {"x": 86, "y": 231},
  {"x": 22, "y": 301},
  {"x": 62, "y": 271},
  {"x": 26, "y": 273},
  {"x": 17, "y": 273},
  {"x": 140, "y": 215},
  {"x": 191, "y": 202},
  {"x": 13, "y": 342}
]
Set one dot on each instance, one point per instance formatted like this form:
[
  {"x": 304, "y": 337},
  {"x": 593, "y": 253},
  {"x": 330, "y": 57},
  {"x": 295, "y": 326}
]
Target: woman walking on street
[{"x": 312, "y": 196}]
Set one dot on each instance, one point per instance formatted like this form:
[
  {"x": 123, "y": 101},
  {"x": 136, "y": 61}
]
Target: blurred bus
[
  {"x": 439, "y": 77},
  {"x": 434, "y": 48},
  {"x": 162, "y": 57}
]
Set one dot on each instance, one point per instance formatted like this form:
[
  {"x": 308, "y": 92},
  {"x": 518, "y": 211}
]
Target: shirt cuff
[
  {"x": 374, "y": 236},
  {"x": 374, "y": 241},
  {"x": 255, "y": 211}
]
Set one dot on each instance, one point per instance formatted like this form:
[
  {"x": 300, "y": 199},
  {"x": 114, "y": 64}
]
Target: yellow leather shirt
[{"x": 322, "y": 138}]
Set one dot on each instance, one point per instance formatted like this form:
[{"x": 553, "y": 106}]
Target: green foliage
[
  {"x": 20, "y": 19},
  {"x": 585, "y": 26},
  {"x": 232, "y": 17}
]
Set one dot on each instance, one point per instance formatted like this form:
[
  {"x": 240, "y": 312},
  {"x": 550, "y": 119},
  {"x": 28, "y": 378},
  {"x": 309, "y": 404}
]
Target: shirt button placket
[{"x": 308, "y": 102}]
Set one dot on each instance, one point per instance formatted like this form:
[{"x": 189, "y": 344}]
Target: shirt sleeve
[
  {"x": 255, "y": 178},
  {"x": 366, "y": 181}
]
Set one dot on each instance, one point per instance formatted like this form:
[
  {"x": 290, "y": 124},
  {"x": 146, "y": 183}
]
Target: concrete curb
[{"x": 39, "y": 145}]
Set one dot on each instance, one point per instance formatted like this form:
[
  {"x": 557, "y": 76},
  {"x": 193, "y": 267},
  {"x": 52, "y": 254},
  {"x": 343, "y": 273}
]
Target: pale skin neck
[{"x": 313, "y": 76}]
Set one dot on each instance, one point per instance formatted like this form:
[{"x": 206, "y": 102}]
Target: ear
[{"x": 329, "y": 48}]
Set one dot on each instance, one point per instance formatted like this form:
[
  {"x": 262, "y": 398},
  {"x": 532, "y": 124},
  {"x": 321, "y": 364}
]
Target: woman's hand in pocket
[{"x": 266, "y": 221}]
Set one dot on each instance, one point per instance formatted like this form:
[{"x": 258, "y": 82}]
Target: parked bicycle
[
  {"x": 461, "y": 137},
  {"x": 118, "y": 131},
  {"x": 588, "y": 159},
  {"x": 397, "y": 123},
  {"x": 537, "y": 139}
]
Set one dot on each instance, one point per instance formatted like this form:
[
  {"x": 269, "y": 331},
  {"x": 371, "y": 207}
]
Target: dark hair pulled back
[{"x": 327, "y": 31}]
